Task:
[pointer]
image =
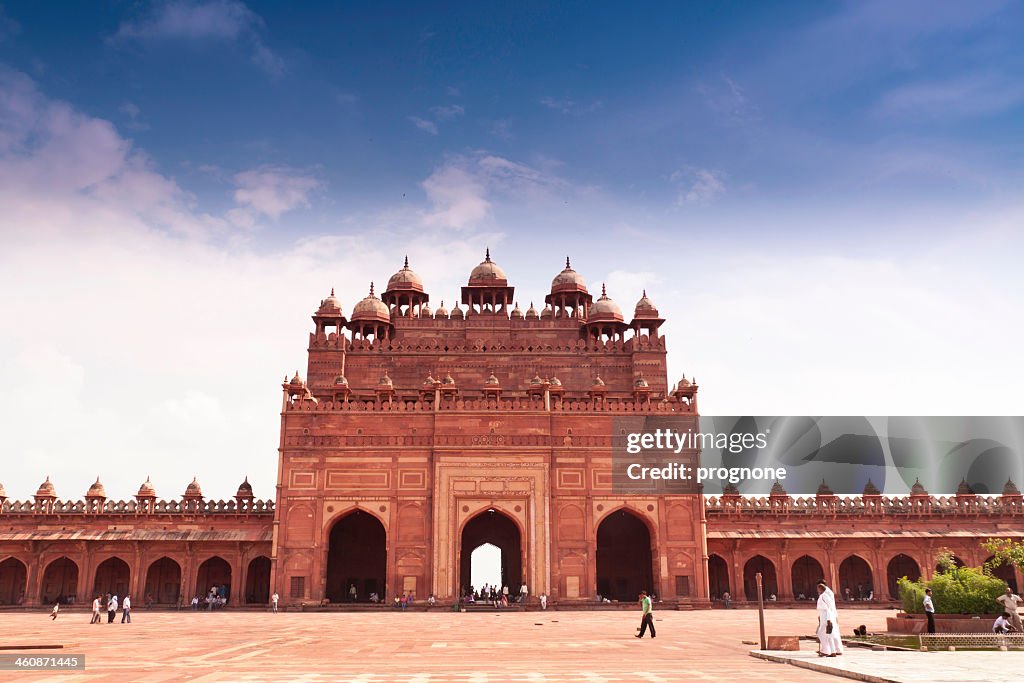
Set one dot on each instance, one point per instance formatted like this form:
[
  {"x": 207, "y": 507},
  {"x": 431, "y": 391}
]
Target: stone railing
[
  {"x": 561, "y": 405},
  {"x": 333, "y": 341},
  {"x": 134, "y": 507},
  {"x": 865, "y": 505}
]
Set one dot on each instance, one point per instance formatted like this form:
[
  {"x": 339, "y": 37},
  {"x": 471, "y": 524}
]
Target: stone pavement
[
  {"x": 909, "y": 667},
  {"x": 415, "y": 647}
]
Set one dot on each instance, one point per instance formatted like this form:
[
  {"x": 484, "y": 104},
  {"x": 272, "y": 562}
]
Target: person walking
[
  {"x": 647, "y": 618},
  {"x": 126, "y": 610},
  {"x": 352, "y": 593},
  {"x": 95, "y": 610},
  {"x": 524, "y": 592},
  {"x": 929, "y": 609},
  {"x": 111, "y": 609},
  {"x": 273, "y": 602},
  {"x": 1010, "y": 601}
]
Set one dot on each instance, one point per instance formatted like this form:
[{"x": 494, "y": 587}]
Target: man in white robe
[{"x": 830, "y": 644}]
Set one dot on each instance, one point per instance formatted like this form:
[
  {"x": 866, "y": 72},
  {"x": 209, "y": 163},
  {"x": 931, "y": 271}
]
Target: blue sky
[{"x": 823, "y": 198}]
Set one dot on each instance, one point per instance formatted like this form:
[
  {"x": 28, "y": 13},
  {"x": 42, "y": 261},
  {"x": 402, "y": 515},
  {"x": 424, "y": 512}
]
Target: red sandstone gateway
[{"x": 420, "y": 435}]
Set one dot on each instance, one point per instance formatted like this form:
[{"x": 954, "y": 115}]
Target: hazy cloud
[
  {"x": 965, "y": 96},
  {"x": 570, "y": 106},
  {"x": 448, "y": 112},
  {"x": 698, "y": 185},
  {"x": 424, "y": 125},
  {"x": 273, "y": 190}
]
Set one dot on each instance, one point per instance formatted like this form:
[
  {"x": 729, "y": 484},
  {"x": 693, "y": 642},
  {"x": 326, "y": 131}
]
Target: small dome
[
  {"x": 448, "y": 379},
  {"x": 555, "y": 382},
  {"x": 531, "y": 313},
  {"x": 341, "y": 381},
  {"x": 604, "y": 310},
  {"x": 536, "y": 380},
  {"x": 193, "y": 489},
  {"x": 778, "y": 489},
  {"x": 1009, "y": 490},
  {"x": 824, "y": 490},
  {"x": 296, "y": 380},
  {"x": 730, "y": 490},
  {"x": 964, "y": 489},
  {"x": 371, "y": 308},
  {"x": 46, "y": 490},
  {"x": 442, "y": 312},
  {"x": 547, "y": 312},
  {"x": 457, "y": 313},
  {"x": 429, "y": 381},
  {"x": 244, "y": 489},
  {"x": 385, "y": 381},
  {"x": 425, "y": 311},
  {"x": 96, "y": 490},
  {"x": 645, "y": 308},
  {"x": 492, "y": 380},
  {"x": 330, "y": 305},
  {"x": 516, "y": 314},
  {"x": 568, "y": 280},
  {"x": 641, "y": 383},
  {"x": 146, "y": 490},
  {"x": 488, "y": 273},
  {"x": 684, "y": 382},
  {"x": 870, "y": 489},
  {"x": 405, "y": 280},
  {"x": 918, "y": 489},
  {"x": 598, "y": 382}
]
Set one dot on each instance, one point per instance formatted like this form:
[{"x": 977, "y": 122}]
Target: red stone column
[{"x": 35, "y": 578}]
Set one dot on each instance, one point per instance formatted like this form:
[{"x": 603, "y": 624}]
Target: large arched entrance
[
  {"x": 113, "y": 576},
  {"x": 806, "y": 574},
  {"x": 60, "y": 582},
  {"x": 718, "y": 577},
  {"x": 854, "y": 579},
  {"x": 1004, "y": 571},
  {"x": 898, "y": 567},
  {"x": 214, "y": 573},
  {"x": 163, "y": 582},
  {"x": 624, "y": 560},
  {"x": 12, "y": 581},
  {"x": 257, "y": 581},
  {"x": 494, "y": 528},
  {"x": 770, "y": 583},
  {"x": 357, "y": 556}
]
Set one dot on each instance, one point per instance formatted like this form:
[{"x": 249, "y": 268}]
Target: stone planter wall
[{"x": 944, "y": 623}]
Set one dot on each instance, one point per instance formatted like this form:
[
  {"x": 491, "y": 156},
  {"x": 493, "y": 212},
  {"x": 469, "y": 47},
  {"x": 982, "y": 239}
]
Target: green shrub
[{"x": 962, "y": 590}]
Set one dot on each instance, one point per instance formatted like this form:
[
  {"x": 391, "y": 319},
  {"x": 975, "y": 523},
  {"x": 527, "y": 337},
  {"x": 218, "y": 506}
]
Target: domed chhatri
[
  {"x": 824, "y": 490},
  {"x": 778, "y": 489},
  {"x": 604, "y": 310},
  {"x": 193, "y": 490},
  {"x": 516, "y": 314},
  {"x": 146, "y": 490},
  {"x": 330, "y": 306},
  {"x": 918, "y": 488},
  {"x": 405, "y": 280},
  {"x": 531, "y": 313},
  {"x": 441, "y": 312},
  {"x": 645, "y": 308},
  {"x": 404, "y": 295},
  {"x": 46, "y": 490},
  {"x": 371, "y": 309},
  {"x": 488, "y": 274},
  {"x": 870, "y": 489},
  {"x": 491, "y": 380},
  {"x": 569, "y": 295},
  {"x": 385, "y": 380},
  {"x": 96, "y": 490},
  {"x": 1009, "y": 489},
  {"x": 568, "y": 280},
  {"x": 244, "y": 489}
]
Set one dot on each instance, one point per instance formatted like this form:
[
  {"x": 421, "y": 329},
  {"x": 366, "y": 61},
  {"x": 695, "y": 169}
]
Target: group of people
[
  {"x": 216, "y": 598},
  {"x": 111, "y": 604},
  {"x": 1007, "y": 622}
]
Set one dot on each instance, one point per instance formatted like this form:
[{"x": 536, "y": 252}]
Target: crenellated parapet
[
  {"x": 565, "y": 405},
  {"x": 134, "y": 507},
  {"x": 732, "y": 506}
]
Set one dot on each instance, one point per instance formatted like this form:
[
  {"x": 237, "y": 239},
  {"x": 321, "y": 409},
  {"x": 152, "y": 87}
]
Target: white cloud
[
  {"x": 458, "y": 196},
  {"x": 728, "y": 101},
  {"x": 964, "y": 96},
  {"x": 447, "y": 112},
  {"x": 698, "y": 185},
  {"x": 273, "y": 190},
  {"x": 203, "y": 20},
  {"x": 424, "y": 125},
  {"x": 570, "y": 106}
]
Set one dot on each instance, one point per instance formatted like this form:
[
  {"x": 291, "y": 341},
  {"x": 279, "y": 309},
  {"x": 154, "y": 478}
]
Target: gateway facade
[{"x": 420, "y": 434}]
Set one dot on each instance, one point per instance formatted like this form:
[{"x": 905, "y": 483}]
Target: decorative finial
[
  {"x": 371, "y": 288},
  {"x": 332, "y": 291},
  {"x": 406, "y": 262},
  {"x": 567, "y": 263},
  {"x": 603, "y": 292},
  {"x": 488, "y": 254},
  {"x": 645, "y": 293}
]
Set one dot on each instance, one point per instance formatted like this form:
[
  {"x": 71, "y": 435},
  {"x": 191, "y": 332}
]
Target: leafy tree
[
  {"x": 955, "y": 590},
  {"x": 1005, "y": 551}
]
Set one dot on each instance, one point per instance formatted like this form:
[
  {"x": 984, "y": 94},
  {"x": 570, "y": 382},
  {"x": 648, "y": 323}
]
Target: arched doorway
[
  {"x": 214, "y": 573},
  {"x": 13, "y": 575},
  {"x": 898, "y": 567},
  {"x": 718, "y": 577},
  {"x": 497, "y": 529},
  {"x": 1004, "y": 571},
  {"x": 485, "y": 566},
  {"x": 806, "y": 574},
  {"x": 854, "y": 579},
  {"x": 759, "y": 563},
  {"x": 357, "y": 556},
  {"x": 112, "y": 576},
  {"x": 257, "y": 581},
  {"x": 624, "y": 559},
  {"x": 163, "y": 582},
  {"x": 60, "y": 582}
]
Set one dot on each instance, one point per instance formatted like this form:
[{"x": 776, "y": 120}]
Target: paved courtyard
[{"x": 534, "y": 647}]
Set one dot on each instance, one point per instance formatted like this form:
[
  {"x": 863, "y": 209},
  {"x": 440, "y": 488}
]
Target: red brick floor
[{"x": 531, "y": 647}]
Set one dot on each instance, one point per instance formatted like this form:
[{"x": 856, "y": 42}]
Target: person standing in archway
[
  {"x": 647, "y": 618},
  {"x": 352, "y": 594}
]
